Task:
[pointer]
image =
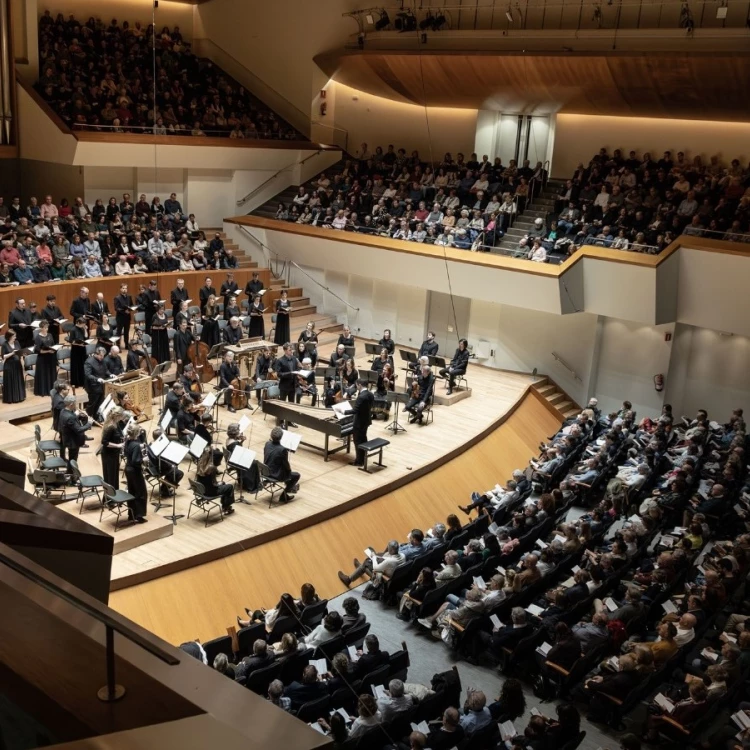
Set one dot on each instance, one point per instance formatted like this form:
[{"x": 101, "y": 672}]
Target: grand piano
[{"x": 320, "y": 420}]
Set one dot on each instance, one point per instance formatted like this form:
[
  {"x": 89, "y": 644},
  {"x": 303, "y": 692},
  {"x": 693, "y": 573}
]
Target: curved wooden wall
[
  {"x": 696, "y": 86},
  {"x": 214, "y": 593}
]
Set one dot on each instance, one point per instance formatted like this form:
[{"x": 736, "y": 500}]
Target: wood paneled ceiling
[{"x": 674, "y": 85}]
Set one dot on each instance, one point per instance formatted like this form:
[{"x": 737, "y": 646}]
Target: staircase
[
  {"x": 556, "y": 397},
  {"x": 539, "y": 208},
  {"x": 269, "y": 208},
  {"x": 302, "y": 310}
]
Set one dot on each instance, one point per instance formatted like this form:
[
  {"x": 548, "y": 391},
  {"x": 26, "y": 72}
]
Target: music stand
[
  {"x": 371, "y": 375},
  {"x": 373, "y": 349},
  {"x": 349, "y": 351},
  {"x": 215, "y": 351},
  {"x": 311, "y": 346},
  {"x": 395, "y": 398},
  {"x": 436, "y": 361}
]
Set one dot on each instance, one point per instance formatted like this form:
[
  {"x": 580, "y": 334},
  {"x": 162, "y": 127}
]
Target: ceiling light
[
  {"x": 509, "y": 15},
  {"x": 721, "y": 11},
  {"x": 369, "y": 19}
]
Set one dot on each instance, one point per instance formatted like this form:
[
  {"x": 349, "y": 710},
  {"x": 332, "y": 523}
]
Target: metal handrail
[
  {"x": 567, "y": 366},
  {"x": 288, "y": 263},
  {"x": 241, "y": 202}
]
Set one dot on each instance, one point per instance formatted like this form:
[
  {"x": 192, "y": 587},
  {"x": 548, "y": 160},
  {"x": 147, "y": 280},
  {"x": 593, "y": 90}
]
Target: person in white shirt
[
  {"x": 602, "y": 199},
  {"x": 537, "y": 253},
  {"x": 329, "y": 629},
  {"x": 41, "y": 230},
  {"x": 122, "y": 267},
  {"x": 685, "y": 629},
  {"x": 92, "y": 246},
  {"x": 396, "y": 701},
  {"x": 191, "y": 225},
  {"x": 376, "y": 565},
  {"x": 403, "y": 232},
  {"x": 138, "y": 244},
  {"x": 91, "y": 269},
  {"x": 156, "y": 245},
  {"x": 339, "y": 221}
]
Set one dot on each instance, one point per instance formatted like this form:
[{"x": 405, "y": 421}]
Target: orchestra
[{"x": 246, "y": 364}]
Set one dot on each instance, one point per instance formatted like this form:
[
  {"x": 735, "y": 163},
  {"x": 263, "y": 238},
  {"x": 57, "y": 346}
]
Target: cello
[{"x": 197, "y": 353}]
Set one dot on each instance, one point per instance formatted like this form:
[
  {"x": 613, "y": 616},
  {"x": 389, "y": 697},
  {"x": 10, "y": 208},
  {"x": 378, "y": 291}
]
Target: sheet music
[
  {"x": 341, "y": 410},
  {"x": 165, "y": 420},
  {"x": 197, "y": 446},
  {"x": 663, "y": 702},
  {"x": 244, "y": 423},
  {"x": 532, "y": 609},
  {"x": 495, "y": 620},
  {"x": 610, "y": 603},
  {"x": 209, "y": 400},
  {"x": 320, "y": 664},
  {"x": 175, "y": 452},
  {"x": 107, "y": 406},
  {"x": 159, "y": 446},
  {"x": 242, "y": 457},
  {"x": 353, "y": 655},
  {"x": 379, "y": 692},
  {"x": 290, "y": 440}
]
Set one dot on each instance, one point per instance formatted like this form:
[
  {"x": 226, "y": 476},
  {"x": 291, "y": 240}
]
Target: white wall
[
  {"x": 579, "y": 137},
  {"x": 629, "y": 356},
  {"x": 105, "y": 182},
  {"x": 208, "y": 194},
  {"x": 525, "y": 339},
  {"x": 378, "y": 121},
  {"x": 162, "y": 182}
]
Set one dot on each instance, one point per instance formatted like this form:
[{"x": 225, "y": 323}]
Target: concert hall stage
[{"x": 327, "y": 489}]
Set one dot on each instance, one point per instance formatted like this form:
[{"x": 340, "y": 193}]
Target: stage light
[
  {"x": 438, "y": 22},
  {"x": 369, "y": 19},
  {"x": 426, "y": 23},
  {"x": 382, "y": 22},
  {"x": 405, "y": 21}
]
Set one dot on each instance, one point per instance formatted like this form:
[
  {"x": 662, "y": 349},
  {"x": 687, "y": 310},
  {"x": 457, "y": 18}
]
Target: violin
[
  {"x": 128, "y": 405},
  {"x": 415, "y": 388}
]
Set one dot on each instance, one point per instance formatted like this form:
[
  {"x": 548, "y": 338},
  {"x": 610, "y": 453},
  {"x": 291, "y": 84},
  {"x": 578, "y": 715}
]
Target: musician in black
[
  {"x": 162, "y": 468},
  {"x": 257, "y": 328},
  {"x": 228, "y": 289},
  {"x": 150, "y": 310},
  {"x": 362, "y": 410},
  {"x": 345, "y": 338},
  {"x": 99, "y": 308},
  {"x": 206, "y": 291},
  {"x": 143, "y": 301},
  {"x": 113, "y": 361},
  {"x": 262, "y": 368},
  {"x": 285, "y": 367},
  {"x": 276, "y": 458},
  {"x": 332, "y": 389},
  {"x": 20, "y": 321},
  {"x": 338, "y": 358},
  {"x": 186, "y": 421},
  {"x": 227, "y": 373},
  {"x": 172, "y": 401},
  {"x": 231, "y": 310},
  {"x": 81, "y": 306},
  {"x": 429, "y": 346},
  {"x": 309, "y": 335},
  {"x": 253, "y": 286},
  {"x": 202, "y": 428},
  {"x": 182, "y": 314},
  {"x": 382, "y": 360},
  {"x": 52, "y": 314},
  {"x": 387, "y": 342},
  {"x": 123, "y": 314},
  {"x": 306, "y": 385},
  {"x": 421, "y": 395},
  {"x": 96, "y": 372},
  {"x": 59, "y": 392},
  {"x": 233, "y": 332},
  {"x": 205, "y": 474},
  {"x": 178, "y": 294},
  {"x": 457, "y": 365},
  {"x": 135, "y": 473},
  {"x": 182, "y": 340},
  {"x": 72, "y": 431}
]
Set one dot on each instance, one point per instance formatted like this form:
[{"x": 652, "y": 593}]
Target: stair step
[
  {"x": 299, "y": 301},
  {"x": 302, "y": 310},
  {"x": 571, "y": 413},
  {"x": 555, "y": 397},
  {"x": 564, "y": 406},
  {"x": 545, "y": 390}
]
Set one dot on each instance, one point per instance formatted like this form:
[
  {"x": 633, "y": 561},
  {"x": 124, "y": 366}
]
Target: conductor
[
  {"x": 276, "y": 458},
  {"x": 361, "y": 408}
]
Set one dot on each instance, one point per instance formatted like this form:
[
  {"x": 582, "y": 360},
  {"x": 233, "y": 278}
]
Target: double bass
[
  {"x": 197, "y": 353},
  {"x": 239, "y": 397}
]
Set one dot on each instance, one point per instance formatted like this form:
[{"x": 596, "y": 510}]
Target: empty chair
[
  {"x": 87, "y": 486},
  {"x": 259, "y": 680},
  {"x": 220, "y": 645},
  {"x": 314, "y": 614},
  {"x": 52, "y": 447},
  {"x": 116, "y": 502},
  {"x": 247, "y": 636},
  {"x": 356, "y": 636}
]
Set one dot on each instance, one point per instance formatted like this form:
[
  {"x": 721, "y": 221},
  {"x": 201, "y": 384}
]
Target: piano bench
[{"x": 371, "y": 448}]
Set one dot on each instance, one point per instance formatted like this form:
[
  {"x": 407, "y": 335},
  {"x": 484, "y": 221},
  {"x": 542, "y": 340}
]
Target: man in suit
[
  {"x": 276, "y": 458},
  {"x": 20, "y": 321},
  {"x": 96, "y": 372},
  {"x": 233, "y": 332},
  {"x": 260, "y": 658},
  {"x": 361, "y": 409},
  {"x": 150, "y": 311},
  {"x": 457, "y": 365},
  {"x": 81, "y": 306},
  {"x": 206, "y": 291},
  {"x": 507, "y": 636},
  {"x": 178, "y": 296},
  {"x": 308, "y": 689},
  {"x": 123, "y": 303},
  {"x": 72, "y": 432},
  {"x": 429, "y": 346},
  {"x": 285, "y": 366},
  {"x": 229, "y": 287},
  {"x": 371, "y": 657},
  {"x": 227, "y": 373},
  {"x": 99, "y": 308},
  {"x": 253, "y": 286}
]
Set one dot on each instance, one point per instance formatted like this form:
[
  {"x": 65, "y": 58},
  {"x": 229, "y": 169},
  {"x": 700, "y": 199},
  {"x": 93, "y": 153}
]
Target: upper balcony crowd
[{"x": 124, "y": 78}]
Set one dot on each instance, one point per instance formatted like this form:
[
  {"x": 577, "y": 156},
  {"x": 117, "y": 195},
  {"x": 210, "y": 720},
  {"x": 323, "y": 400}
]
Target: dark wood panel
[
  {"x": 669, "y": 84},
  {"x": 67, "y": 291}
]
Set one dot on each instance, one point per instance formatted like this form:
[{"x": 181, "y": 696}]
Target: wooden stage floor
[{"x": 327, "y": 489}]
